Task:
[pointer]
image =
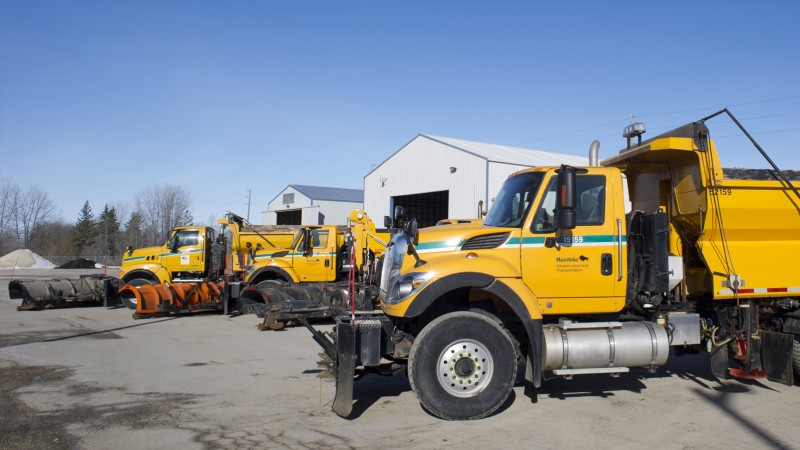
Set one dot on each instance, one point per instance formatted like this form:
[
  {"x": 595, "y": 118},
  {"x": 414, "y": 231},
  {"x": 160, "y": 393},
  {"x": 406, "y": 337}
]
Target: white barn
[
  {"x": 436, "y": 177},
  {"x": 312, "y": 205}
]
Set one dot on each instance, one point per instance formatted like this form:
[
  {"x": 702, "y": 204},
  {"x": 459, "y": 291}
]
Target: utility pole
[{"x": 249, "y": 195}]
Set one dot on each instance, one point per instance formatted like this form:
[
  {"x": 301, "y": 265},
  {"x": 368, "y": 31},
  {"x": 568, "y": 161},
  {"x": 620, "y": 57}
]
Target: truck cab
[
  {"x": 320, "y": 253},
  {"x": 312, "y": 256},
  {"x": 581, "y": 270},
  {"x": 184, "y": 256}
]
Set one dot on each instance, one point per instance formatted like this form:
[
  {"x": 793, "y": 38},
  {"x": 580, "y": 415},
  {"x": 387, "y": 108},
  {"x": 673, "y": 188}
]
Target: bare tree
[
  {"x": 9, "y": 198},
  {"x": 161, "y": 209},
  {"x": 53, "y": 240},
  {"x": 33, "y": 209}
]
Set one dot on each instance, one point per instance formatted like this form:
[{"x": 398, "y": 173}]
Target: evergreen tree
[
  {"x": 108, "y": 231},
  {"x": 134, "y": 233},
  {"x": 84, "y": 233},
  {"x": 186, "y": 219}
]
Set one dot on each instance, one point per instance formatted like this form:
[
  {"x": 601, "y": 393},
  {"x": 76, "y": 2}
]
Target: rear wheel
[
  {"x": 462, "y": 366},
  {"x": 129, "y": 300}
]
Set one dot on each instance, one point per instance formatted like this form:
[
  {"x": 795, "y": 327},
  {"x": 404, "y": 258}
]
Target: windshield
[
  {"x": 296, "y": 238},
  {"x": 514, "y": 200}
]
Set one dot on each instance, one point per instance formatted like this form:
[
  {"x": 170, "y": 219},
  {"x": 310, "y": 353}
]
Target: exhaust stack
[{"x": 594, "y": 151}]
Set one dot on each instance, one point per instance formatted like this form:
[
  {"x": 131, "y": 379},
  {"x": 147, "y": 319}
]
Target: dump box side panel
[
  {"x": 761, "y": 222},
  {"x": 731, "y": 227}
]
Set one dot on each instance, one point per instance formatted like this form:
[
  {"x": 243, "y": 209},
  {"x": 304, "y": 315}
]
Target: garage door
[
  {"x": 428, "y": 208},
  {"x": 292, "y": 217}
]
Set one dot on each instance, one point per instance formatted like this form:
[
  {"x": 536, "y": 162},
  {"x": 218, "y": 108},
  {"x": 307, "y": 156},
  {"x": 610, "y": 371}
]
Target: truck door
[
  {"x": 574, "y": 271},
  {"x": 185, "y": 252},
  {"x": 317, "y": 262}
]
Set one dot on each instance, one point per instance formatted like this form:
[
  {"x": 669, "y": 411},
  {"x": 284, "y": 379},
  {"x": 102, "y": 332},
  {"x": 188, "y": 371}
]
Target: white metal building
[
  {"x": 312, "y": 205},
  {"x": 436, "y": 177}
]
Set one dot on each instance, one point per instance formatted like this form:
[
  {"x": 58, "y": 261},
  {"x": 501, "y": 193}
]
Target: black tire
[
  {"x": 462, "y": 366},
  {"x": 130, "y": 301},
  {"x": 796, "y": 355},
  {"x": 271, "y": 283}
]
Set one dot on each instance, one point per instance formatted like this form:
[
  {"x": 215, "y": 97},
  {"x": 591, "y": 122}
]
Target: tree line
[{"x": 29, "y": 219}]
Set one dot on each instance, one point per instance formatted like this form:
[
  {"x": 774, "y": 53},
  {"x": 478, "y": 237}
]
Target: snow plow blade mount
[{"x": 163, "y": 299}]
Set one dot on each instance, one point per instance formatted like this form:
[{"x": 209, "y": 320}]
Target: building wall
[
  {"x": 498, "y": 173},
  {"x": 314, "y": 212},
  {"x": 269, "y": 217},
  {"x": 335, "y": 213},
  {"x": 423, "y": 165}
]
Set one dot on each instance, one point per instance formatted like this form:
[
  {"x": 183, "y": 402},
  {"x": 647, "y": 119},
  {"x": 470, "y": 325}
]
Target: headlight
[
  {"x": 407, "y": 285},
  {"x": 392, "y": 263}
]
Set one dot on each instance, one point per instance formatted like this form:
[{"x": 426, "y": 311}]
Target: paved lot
[{"x": 95, "y": 378}]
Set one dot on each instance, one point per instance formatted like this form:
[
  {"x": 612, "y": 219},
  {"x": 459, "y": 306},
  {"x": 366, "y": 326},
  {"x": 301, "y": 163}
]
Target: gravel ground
[{"x": 94, "y": 378}]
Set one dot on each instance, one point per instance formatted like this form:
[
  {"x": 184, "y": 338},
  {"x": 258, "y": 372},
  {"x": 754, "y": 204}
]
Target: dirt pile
[{"x": 80, "y": 263}]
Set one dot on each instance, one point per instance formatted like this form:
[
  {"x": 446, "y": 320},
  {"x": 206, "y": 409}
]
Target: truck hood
[
  {"x": 462, "y": 237},
  {"x": 140, "y": 254}
]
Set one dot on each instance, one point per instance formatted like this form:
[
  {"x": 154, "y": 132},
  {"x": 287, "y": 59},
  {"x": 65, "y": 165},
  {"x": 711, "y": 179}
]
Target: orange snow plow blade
[{"x": 163, "y": 299}]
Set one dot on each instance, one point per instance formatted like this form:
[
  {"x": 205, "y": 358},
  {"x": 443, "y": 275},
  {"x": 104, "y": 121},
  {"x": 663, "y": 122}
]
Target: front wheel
[{"x": 462, "y": 366}]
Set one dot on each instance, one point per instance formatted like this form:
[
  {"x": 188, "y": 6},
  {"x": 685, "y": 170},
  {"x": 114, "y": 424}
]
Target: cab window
[
  {"x": 319, "y": 238},
  {"x": 183, "y": 238},
  {"x": 514, "y": 200},
  {"x": 590, "y": 201}
]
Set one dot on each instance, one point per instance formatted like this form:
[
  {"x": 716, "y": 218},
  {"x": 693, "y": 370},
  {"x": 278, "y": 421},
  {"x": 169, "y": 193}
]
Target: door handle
[{"x": 606, "y": 264}]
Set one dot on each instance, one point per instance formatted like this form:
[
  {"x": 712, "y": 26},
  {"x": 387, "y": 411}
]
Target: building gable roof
[
  {"x": 330, "y": 193},
  {"x": 498, "y": 153},
  {"x": 509, "y": 155}
]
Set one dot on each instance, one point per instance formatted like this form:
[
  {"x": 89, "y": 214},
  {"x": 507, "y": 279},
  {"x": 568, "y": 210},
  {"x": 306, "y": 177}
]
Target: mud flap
[
  {"x": 776, "y": 356},
  {"x": 720, "y": 362},
  {"x": 345, "y": 367}
]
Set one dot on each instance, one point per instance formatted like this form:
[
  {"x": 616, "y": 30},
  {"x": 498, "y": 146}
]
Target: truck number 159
[{"x": 719, "y": 191}]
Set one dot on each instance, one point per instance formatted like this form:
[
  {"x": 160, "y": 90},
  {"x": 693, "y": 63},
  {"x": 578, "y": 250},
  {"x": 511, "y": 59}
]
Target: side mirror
[
  {"x": 565, "y": 201},
  {"x": 387, "y": 222},
  {"x": 412, "y": 232},
  {"x": 129, "y": 249},
  {"x": 307, "y": 246},
  {"x": 399, "y": 215}
]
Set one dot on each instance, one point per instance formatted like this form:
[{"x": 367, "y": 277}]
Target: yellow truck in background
[
  {"x": 562, "y": 278},
  {"x": 320, "y": 253},
  {"x": 188, "y": 254},
  {"x": 249, "y": 268},
  {"x": 324, "y": 266}
]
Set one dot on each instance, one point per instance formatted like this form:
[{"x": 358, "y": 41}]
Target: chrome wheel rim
[{"x": 465, "y": 368}]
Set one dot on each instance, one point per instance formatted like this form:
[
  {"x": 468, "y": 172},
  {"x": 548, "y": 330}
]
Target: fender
[
  {"x": 533, "y": 327},
  {"x": 272, "y": 269},
  {"x": 144, "y": 273},
  {"x": 446, "y": 284},
  {"x": 531, "y": 320}
]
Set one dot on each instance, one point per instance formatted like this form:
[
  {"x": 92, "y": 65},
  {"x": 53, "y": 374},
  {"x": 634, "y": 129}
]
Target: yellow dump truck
[
  {"x": 320, "y": 253},
  {"x": 567, "y": 277},
  {"x": 250, "y": 267},
  {"x": 188, "y": 254},
  {"x": 320, "y": 269}
]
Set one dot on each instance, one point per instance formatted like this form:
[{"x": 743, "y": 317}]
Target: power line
[
  {"x": 570, "y": 132},
  {"x": 718, "y": 107}
]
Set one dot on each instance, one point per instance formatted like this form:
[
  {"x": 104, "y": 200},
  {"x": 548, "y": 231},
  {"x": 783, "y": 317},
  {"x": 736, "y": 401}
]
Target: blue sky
[{"x": 99, "y": 100}]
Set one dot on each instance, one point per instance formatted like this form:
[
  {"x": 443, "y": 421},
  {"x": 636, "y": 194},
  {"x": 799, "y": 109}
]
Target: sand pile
[{"x": 24, "y": 259}]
